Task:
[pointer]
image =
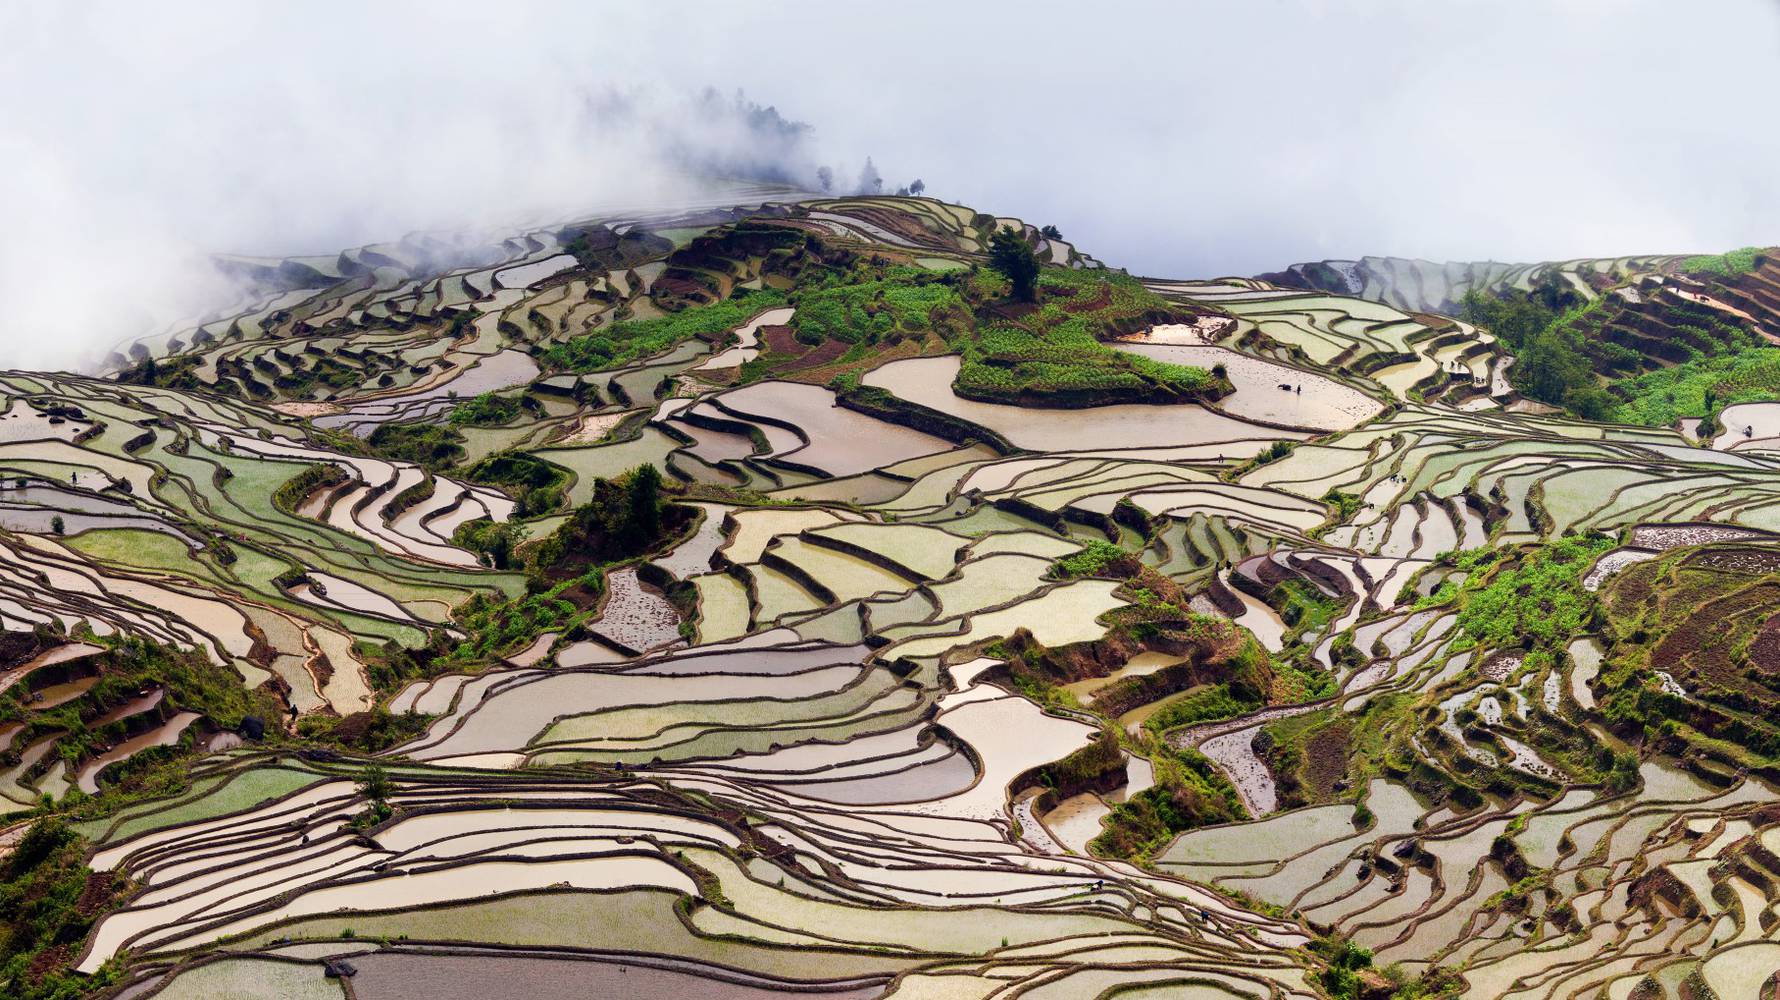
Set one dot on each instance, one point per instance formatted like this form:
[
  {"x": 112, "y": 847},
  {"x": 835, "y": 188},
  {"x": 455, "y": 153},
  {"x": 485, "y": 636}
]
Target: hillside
[{"x": 873, "y": 596}]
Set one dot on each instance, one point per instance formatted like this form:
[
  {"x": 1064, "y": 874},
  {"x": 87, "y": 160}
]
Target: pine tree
[{"x": 1010, "y": 254}]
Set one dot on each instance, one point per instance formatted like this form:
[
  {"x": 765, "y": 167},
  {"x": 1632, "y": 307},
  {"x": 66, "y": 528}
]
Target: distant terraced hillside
[
  {"x": 1591, "y": 328},
  {"x": 1425, "y": 286},
  {"x": 1746, "y": 293}
]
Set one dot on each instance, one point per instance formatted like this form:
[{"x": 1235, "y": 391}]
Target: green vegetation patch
[
  {"x": 486, "y": 410},
  {"x": 1700, "y": 387},
  {"x": 435, "y": 447},
  {"x": 1053, "y": 355},
  {"x": 1727, "y": 264},
  {"x": 1189, "y": 792},
  {"x": 1094, "y": 559},
  {"x": 537, "y": 485},
  {"x": 49, "y": 899},
  {"x": 1211, "y": 704},
  {"x": 499, "y": 627},
  {"x": 856, "y": 307},
  {"x": 1548, "y": 337},
  {"x": 627, "y": 341},
  {"x": 291, "y": 494},
  {"x": 1539, "y": 598},
  {"x": 1568, "y": 350}
]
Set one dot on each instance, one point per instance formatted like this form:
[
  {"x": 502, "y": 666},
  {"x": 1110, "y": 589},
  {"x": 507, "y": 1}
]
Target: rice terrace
[{"x": 802, "y": 589}]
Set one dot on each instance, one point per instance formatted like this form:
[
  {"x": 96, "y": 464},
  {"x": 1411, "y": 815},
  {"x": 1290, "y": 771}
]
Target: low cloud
[{"x": 1170, "y": 138}]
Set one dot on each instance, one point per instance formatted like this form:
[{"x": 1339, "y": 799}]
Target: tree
[
  {"x": 917, "y": 186},
  {"x": 1010, "y": 254},
  {"x": 825, "y": 177},
  {"x": 643, "y": 497},
  {"x": 870, "y": 181},
  {"x": 1591, "y": 402},
  {"x": 56, "y": 524},
  {"x": 374, "y": 784},
  {"x": 1050, "y": 232}
]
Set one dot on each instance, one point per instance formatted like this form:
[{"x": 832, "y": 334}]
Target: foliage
[
  {"x": 1093, "y": 558},
  {"x": 1054, "y": 355},
  {"x": 1437, "y": 981},
  {"x": 871, "y": 306},
  {"x": 486, "y": 410},
  {"x": 1513, "y": 320},
  {"x": 1551, "y": 363},
  {"x": 1212, "y": 704},
  {"x": 493, "y": 541},
  {"x": 1538, "y": 600},
  {"x": 1065, "y": 363},
  {"x": 49, "y": 899},
  {"x": 375, "y": 786},
  {"x": 1340, "y": 977},
  {"x": 1189, "y": 792},
  {"x": 1700, "y": 387},
  {"x": 293, "y": 491},
  {"x": 1727, "y": 264},
  {"x": 191, "y": 681},
  {"x": 1439, "y": 596},
  {"x": 630, "y": 340},
  {"x": 431, "y": 446},
  {"x": 1010, "y": 254},
  {"x": 1302, "y": 606},
  {"x": 1346, "y": 504},
  {"x": 625, "y": 517},
  {"x": 371, "y": 731},
  {"x": 537, "y": 485},
  {"x": 497, "y": 627}
]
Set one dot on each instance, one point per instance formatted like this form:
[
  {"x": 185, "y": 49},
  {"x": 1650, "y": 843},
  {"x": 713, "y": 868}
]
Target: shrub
[
  {"x": 629, "y": 340},
  {"x": 486, "y": 410}
]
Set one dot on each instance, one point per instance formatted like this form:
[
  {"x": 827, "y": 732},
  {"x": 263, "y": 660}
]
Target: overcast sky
[{"x": 1175, "y": 138}]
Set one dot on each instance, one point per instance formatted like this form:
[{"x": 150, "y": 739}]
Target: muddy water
[
  {"x": 1140, "y": 665},
  {"x": 928, "y": 381},
  {"x": 61, "y": 694},
  {"x": 948, "y": 776},
  {"x": 140, "y": 703},
  {"x": 165, "y": 734},
  {"x": 1260, "y": 619},
  {"x": 464, "y": 977},
  {"x": 1076, "y": 820},
  {"x": 49, "y": 657},
  {"x": 1032, "y": 832},
  {"x": 1314, "y": 402},
  {"x": 1586, "y": 655},
  {"x": 1011, "y": 735},
  {"x": 693, "y": 556},
  {"x": 636, "y": 616},
  {"x": 843, "y": 442}
]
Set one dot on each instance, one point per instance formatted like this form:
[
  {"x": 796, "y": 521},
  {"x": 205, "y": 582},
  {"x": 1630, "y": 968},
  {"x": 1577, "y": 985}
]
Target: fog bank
[{"x": 1183, "y": 139}]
